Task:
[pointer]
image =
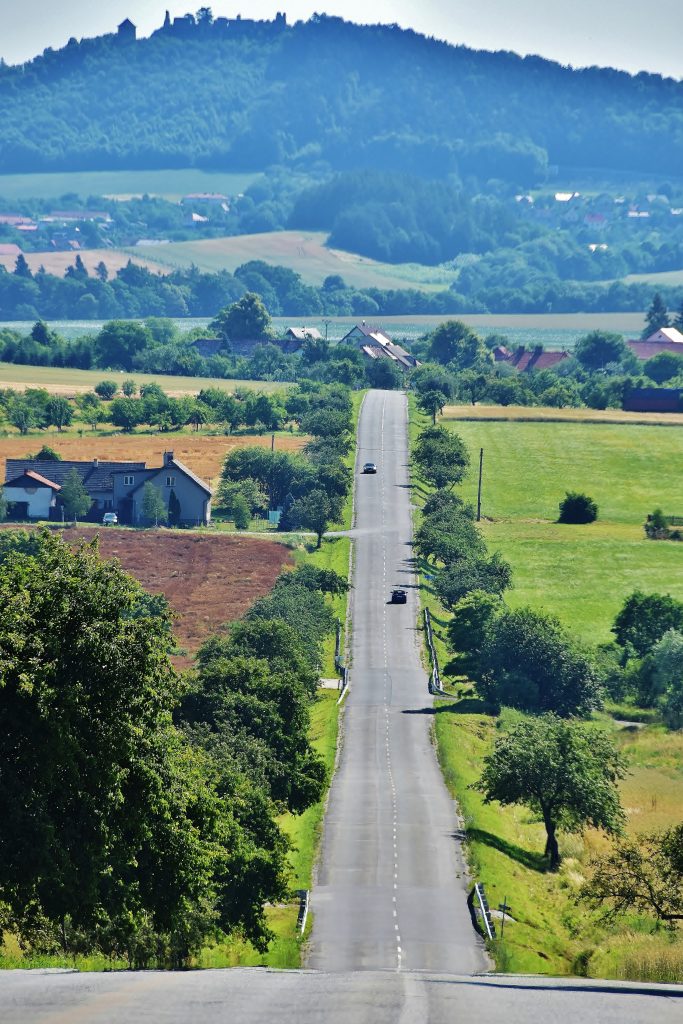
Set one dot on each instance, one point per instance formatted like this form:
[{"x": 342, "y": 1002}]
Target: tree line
[
  {"x": 141, "y": 806},
  {"x": 476, "y": 114},
  {"x": 565, "y": 769}
]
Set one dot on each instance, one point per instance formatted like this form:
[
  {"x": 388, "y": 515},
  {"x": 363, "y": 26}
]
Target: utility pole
[
  {"x": 481, "y": 466},
  {"x": 272, "y": 442},
  {"x": 505, "y": 908}
]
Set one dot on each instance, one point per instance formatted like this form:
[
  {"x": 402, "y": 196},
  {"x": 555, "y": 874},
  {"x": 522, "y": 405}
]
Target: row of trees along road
[
  {"x": 564, "y": 769},
  {"x": 520, "y": 658},
  {"x": 139, "y": 808}
]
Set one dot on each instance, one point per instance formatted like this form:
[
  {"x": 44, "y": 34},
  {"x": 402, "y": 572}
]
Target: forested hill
[{"x": 328, "y": 90}]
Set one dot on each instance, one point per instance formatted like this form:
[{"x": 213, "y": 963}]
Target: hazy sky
[{"x": 627, "y": 34}]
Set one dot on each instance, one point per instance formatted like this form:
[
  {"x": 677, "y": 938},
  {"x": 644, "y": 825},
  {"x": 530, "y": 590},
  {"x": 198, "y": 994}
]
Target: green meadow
[
  {"x": 580, "y": 573},
  {"x": 170, "y": 184}
]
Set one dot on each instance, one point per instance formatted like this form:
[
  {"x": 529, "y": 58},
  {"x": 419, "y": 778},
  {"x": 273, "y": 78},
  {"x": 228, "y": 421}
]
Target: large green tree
[
  {"x": 563, "y": 771},
  {"x": 112, "y": 824},
  {"x": 245, "y": 320},
  {"x": 441, "y": 456},
  {"x": 529, "y": 661},
  {"x": 644, "y": 619},
  {"x": 598, "y": 348},
  {"x": 312, "y": 511},
  {"x": 457, "y": 345}
]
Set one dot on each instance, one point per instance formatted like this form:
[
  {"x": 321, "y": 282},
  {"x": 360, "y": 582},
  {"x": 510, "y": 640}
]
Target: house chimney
[{"x": 168, "y": 458}]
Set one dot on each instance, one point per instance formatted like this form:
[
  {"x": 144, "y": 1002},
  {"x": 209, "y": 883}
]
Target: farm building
[
  {"x": 303, "y": 334},
  {"x": 666, "y": 339},
  {"x": 526, "y": 360},
  {"x": 374, "y": 343},
  {"x": 33, "y": 489},
  {"x": 654, "y": 400}
]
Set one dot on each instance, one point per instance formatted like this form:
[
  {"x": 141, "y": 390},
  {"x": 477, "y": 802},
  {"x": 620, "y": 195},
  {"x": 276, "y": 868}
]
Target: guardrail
[
  {"x": 484, "y": 911},
  {"x": 435, "y": 678},
  {"x": 303, "y": 910},
  {"x": 339, "y": 661}
]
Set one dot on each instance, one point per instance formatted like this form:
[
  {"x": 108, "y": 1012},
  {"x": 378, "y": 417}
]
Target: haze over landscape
[
  {"x": 341, "y": 513},
  {"x": 634, "y": 37}
]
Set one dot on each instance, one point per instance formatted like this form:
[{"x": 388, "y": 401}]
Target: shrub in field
[{"x": 577, "y": 508}]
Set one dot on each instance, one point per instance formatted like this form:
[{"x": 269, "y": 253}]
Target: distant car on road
[
  {"x": 110, "y": 519},
  {"x": 369, "y": 467},
  {"x": 398, "y": 596}
]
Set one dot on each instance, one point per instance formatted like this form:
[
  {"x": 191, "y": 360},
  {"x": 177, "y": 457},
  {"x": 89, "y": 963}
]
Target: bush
[{"x": 577, "y": 508}]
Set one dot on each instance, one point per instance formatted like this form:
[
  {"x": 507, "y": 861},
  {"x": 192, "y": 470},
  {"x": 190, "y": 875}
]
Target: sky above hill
[{"x": 616, "y": 33}]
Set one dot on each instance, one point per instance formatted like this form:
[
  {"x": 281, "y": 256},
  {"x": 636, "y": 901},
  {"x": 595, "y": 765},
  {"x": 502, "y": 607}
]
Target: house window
[
  {"x": 128, "y": 481},
  {"x": 170, "y": 481}
]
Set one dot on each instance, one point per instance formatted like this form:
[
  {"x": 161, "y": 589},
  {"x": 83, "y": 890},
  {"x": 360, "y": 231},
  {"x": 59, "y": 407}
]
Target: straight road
[
  {"x": 257, "y": 996},
  {"x": 391, "y": 889},
  {"x": 392, "y": 938}
]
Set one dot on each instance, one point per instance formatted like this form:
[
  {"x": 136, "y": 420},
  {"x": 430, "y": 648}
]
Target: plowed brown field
[
  {"x": 207, "y": 580},
  {"x": 203, "y": 454}
]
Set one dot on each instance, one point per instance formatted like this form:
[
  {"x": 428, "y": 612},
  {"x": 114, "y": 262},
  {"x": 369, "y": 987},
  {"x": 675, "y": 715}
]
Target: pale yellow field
[
  {"x": 531, "y": 413},
  {"x": 57, "y": 262}
]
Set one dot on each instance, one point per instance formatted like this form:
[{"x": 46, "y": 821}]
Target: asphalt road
[
  {"x": 392, "y": 941},
  {"x": 391, "y": 889}
]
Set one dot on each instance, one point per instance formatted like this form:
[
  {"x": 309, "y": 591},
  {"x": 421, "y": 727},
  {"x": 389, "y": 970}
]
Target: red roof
[
  {"x": 536, "y": 359},
  {"x": 648, "y": 349},
  {"x": 42, "y": 479}
]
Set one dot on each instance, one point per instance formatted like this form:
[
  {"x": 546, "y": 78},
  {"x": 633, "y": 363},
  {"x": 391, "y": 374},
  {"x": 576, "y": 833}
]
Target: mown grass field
[
  {"x": 169, "y": 184},
  {"x": 304, "y": 252},
  {"x": 535, "y": 414},
  {"x": 580, "y": 573},
  {"x": 66, "y": 381}
]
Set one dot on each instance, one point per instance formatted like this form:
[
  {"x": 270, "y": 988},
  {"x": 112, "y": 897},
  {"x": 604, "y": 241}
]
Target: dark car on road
[
  {"x": 369, "y": 467},
  {"x": 398, "y": 596}
]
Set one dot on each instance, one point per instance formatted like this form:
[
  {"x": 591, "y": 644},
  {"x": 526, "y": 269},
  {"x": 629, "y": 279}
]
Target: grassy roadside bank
[{"x": 591, "y": 569}]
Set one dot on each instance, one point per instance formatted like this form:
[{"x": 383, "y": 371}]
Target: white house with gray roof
[{"x": 33, "y": 488}]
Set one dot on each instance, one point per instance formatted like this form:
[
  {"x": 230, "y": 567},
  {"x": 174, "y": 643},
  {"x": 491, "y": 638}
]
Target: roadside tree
[
  {"x": 441, "y": 457},
  {"x": 529, "y": 662},
  {"x": 563, "y": 771},
  {"x": 643, "y": 874},
  {"x": 431, "y": 403},
  {"x": 312, "y": 511}
]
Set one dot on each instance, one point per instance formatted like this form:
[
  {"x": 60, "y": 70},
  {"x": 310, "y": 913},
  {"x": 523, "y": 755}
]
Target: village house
[
  {"x": 525, "y": 360},
  {"x": 374, "y": 343},
  {"x": 666, "y": 339},
  {"x": 32, "y": 488}
]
